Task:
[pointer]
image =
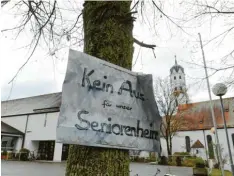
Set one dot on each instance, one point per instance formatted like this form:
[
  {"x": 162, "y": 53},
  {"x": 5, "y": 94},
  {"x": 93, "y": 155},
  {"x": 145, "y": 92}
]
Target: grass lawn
[{"x": 217, "y": 172}]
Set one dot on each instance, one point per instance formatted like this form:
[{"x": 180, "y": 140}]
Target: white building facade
[
  {"x": 36, "y": 118},
  {"x": 179, "y": 144},
  {"x": 198, "y": 128}
]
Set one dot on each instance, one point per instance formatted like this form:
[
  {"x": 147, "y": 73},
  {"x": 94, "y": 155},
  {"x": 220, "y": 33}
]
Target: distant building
[
  {"x": 31, "y": 123},
  {"x": 196, "y": 137}
]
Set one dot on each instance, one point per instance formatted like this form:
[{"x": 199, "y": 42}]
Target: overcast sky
[{"x": 44, "y": 73}]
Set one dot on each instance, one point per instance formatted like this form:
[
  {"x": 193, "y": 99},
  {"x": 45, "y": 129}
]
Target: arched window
[
  {"x": 187, "y": 143},
  {"x": 174, "y": 77},
  {"x": 180, "y": 77},
  {"x": 210, "y": 146}
]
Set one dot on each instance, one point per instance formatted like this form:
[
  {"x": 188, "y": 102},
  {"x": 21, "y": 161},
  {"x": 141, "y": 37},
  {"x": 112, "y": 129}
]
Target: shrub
[
  {"x": 188, "y": 163},
  {"x": 17, "y": 155},
  {"x": 138, "y": 159},
  {"x": 182, "y": 153},
  {"x": 24, "y": 153},
  {"x": 178, "y": 161},
  {"x": 206, "y": 163},
  {"x": 216, "y": 165},
  {"x": 200, "y": 165},
  {"x": 141, "y": 160},
  {"x": 151, "y": 159},
  {"x": 191, "y": 162},
  {"x": 199, "y": 160},
  {"x": 172, "y": 163},
  {"x": 163, "y": 160},
  {"x": 10, "y": 155},
  {"x": 4, "y": 153}
]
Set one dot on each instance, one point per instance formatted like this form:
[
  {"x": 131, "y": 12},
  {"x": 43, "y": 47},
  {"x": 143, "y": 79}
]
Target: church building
[{"x": 196, "y": 137}]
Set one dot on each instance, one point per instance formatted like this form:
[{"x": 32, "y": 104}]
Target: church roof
[
  {"x": 198, "y": 115},
  {"x": 176, "y": 67}
]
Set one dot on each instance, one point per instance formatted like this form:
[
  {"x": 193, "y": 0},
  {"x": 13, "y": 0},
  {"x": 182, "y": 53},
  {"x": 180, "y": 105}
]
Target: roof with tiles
[{"x": 198, "y": 115}]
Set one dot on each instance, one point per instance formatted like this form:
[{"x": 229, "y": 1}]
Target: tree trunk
[
  {"x": 170, "y": 147},
  {"x": 107, "y": 35}
]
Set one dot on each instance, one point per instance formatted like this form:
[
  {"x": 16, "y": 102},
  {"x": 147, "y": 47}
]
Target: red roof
[{"x": 198, "y": 115}]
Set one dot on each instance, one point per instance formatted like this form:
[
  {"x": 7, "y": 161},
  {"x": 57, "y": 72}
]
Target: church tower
[{"x": 178, "y": 83}]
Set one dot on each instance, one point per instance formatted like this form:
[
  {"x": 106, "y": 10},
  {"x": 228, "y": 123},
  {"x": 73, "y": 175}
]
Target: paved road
[{"x": 17, "y": 168}]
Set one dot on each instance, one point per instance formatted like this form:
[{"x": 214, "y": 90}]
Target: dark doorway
[
  {"x": 46, "y": 150},
  {"x": 65, "y": 151}
]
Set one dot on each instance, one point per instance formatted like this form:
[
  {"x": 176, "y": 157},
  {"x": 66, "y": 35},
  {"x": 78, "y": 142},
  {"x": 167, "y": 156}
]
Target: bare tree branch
[
  {"x": 151, "y": 46},
  {"x": 38, "y": 38}
]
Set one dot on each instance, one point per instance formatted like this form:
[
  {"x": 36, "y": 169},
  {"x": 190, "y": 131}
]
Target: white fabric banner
[{"x": 107, "y": 106}]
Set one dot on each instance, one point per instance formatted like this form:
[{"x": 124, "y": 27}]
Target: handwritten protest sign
[{"x": 108, "y": 106}]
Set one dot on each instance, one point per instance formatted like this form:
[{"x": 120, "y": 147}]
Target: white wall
[
  {"x": 179, "y": 142},
  {"x": 18, "y": 144},
  {"x": 178, "y": 82},
  {"x": 17, "y": 122},
  {"x": 57, "y": 151},
  {"x": 42, "y": 126}
]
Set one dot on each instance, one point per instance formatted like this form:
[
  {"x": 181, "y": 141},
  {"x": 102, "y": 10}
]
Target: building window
[
  {"x": 210, "y": 146},
  {"x": 174, "y": 77},
  {"x": 187, "y": 143},
  {"x": 180, "y": 77},
  {"x": 8, "y": 142},
  {"x": 181, "y": 88},
  {"x": 175, "y": 88}
]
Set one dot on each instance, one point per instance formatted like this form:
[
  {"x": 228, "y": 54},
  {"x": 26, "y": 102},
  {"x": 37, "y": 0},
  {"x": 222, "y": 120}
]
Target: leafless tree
[
  {"x": 212, "y": 14},
  {"x": 54, "y": 26},
  {"x": 167, "y": 100}
]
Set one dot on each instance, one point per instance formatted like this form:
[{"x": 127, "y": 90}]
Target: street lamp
[{"x": 220, "y": 90}]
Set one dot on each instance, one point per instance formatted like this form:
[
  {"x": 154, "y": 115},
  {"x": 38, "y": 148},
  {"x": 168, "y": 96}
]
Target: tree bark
[
  {"x": 170, "y": 146},
  {"x": 107, "y": 35}
]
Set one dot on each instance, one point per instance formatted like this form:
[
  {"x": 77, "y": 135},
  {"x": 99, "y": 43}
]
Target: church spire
[{"x": 175, "y": 60}]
